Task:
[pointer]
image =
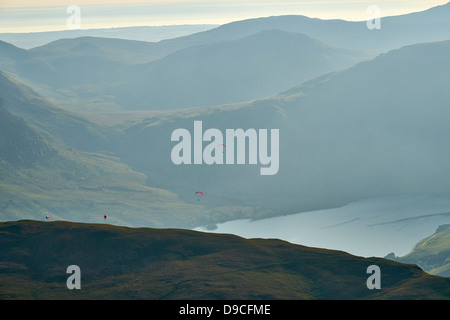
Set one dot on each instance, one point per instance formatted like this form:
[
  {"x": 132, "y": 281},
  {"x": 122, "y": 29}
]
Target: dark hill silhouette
[{"x": 125, "y": 263}]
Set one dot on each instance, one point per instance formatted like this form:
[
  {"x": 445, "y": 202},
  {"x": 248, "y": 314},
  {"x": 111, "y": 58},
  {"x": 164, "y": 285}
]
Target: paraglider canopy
[
  {"x": 47, "y": 217},
  {"x": 105, "y": 216},
  {"x": 198, "y": 197}
]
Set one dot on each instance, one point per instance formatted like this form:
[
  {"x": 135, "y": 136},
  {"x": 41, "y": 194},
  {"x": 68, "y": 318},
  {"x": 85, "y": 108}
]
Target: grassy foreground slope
[{"x": 129, "y": 263}]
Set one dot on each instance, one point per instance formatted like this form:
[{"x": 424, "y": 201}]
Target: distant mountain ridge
[
  {"x": 148, "y": 34},
  {"x": 256, "y": 66},
  {"x": 396, "y": 31},
  {"x": 136, "y": 75},
  {"x": 94, "y": 74}
]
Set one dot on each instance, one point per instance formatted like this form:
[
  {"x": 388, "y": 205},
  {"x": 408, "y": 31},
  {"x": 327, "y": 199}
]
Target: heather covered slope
[{"x": 127, "y": 263}]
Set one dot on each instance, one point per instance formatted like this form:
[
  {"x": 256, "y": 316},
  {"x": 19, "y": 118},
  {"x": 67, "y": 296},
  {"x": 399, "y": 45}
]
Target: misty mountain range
[
  {"x": 216, "y": 66},
  {"x": 149, "y": 34},
  {"x": 113, "y": 74},
  {"x": 86, "y": 122}
]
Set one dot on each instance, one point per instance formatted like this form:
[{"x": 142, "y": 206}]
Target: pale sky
[
  {"x": 49, "y": 15},
  {"x": 40, "y": 3}
]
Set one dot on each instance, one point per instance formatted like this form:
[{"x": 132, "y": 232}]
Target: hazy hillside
[
  {"x": 124, "y": 263},
  {"x": 119, "y": 50},
  {"x": 375, "y": 129},
  {"x": 396, "y": 31},
  {"x": 62, "y": 126},
  {"x": 432, "y": 254},
  {"x": 378, "y": 128},
  {"x": 10, "y": 54},
  {"x": 341, "y": 140},
  {"x": 56, "y": 163},
  {"x": 150, "y": 34},
  {"x": 20, "y": 146},
  {"x": 381, "y": 126},
  {"x": 253, "y": 67},
  {"x": 39, "y": 180},
  {"x": 73, "y": 73},
  {"x": 92, "y": 74}
]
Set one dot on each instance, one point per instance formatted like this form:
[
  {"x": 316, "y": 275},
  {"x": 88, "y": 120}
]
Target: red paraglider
[
  {"x": 199, "y": 192},
  {"x": 105, "y": 216}
]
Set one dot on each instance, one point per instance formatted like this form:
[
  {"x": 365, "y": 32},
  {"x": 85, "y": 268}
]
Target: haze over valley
[{"x": 363, "y": 119}]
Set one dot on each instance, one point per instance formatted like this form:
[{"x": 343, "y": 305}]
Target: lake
[{"x": 371, "y": 227}]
